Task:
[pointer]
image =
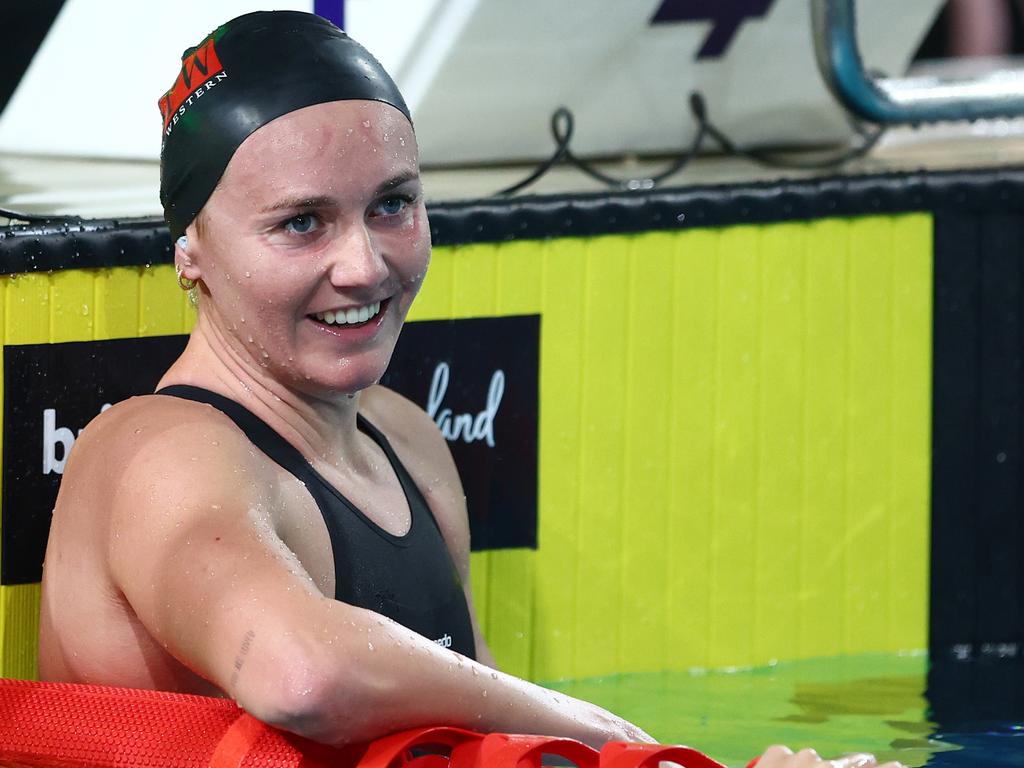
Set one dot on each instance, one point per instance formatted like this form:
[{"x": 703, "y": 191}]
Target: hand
[{"x": 783, "y": 757}]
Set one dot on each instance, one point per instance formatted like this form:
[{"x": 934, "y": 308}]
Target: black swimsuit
[{"x": 409, "y": 578}]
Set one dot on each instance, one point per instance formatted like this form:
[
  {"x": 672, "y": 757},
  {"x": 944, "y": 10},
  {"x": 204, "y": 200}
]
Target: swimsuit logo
[{"x": 201, "y": 70}]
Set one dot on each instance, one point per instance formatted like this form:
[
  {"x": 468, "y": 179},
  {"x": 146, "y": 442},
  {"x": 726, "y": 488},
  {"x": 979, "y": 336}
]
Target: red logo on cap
[{"x": 196, "y": 68}]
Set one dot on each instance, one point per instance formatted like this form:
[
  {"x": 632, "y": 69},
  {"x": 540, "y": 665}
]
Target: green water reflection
[{"x": 871, "y": 703}]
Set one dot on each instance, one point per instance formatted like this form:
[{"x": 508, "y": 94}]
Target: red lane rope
[
  {"x": 58, "y": 725},
  {"x": 237, "y": 742}
]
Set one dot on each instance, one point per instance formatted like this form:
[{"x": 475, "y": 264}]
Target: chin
[{"x": 347, "y": 380}]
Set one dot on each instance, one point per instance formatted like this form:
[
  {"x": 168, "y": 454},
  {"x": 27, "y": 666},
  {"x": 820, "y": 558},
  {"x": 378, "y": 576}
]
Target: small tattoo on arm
[{"x": 243, "y": 651}]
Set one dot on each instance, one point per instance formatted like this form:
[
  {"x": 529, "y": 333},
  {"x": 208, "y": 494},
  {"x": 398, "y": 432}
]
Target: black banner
[
  {"x": 477, "y": 378},
  {"x": 51, "y": 391}
]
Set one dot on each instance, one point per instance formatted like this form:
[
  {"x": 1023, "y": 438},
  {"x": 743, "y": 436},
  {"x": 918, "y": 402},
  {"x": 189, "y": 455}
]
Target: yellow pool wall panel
[
  {"x": 734, "y": 438},
  {"x": 735, "y": 443}
]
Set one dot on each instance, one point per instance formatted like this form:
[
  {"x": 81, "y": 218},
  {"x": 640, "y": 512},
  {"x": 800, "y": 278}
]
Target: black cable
[
  {"x": 563, "y": 126},
  {"x": 14, "y": 215},
  {"x": 698, "y": 108},
  {"x": 33, "y": 218},
  {"x": 561, "y": 148}
]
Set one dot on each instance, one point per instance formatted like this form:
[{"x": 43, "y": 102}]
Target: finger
[
  {"x": 774, "y": 756},
  {"x": 856, "y": 760},
  {"x": 805, "y": 758}
]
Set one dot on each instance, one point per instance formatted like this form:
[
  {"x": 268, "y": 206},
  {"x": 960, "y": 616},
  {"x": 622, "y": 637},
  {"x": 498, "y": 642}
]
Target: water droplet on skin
[
  {"x": 366, "y": 123},
  {"x": 250, "y": 339},
  {"x": 484, "y": 693},
  {"x": 370, "y": 646}
]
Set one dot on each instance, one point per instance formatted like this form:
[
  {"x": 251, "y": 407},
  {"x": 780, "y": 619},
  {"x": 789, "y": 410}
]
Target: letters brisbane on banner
[{"x": 476, "y": 378}]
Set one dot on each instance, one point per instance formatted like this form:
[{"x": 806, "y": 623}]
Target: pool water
[{"x": 875, "y": 703}]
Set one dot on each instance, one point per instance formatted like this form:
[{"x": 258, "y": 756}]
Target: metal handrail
[{"x": 903, "y": 100}]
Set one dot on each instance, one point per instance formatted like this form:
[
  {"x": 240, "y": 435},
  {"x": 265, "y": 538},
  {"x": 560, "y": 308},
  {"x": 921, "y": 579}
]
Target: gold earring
[{"x": 185, "y": 283}]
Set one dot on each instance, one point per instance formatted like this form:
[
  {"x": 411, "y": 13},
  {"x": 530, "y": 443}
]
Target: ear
[{"x": 184, "y": 251}]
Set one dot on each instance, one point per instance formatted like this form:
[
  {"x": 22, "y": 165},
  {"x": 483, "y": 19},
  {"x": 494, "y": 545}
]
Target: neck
[{"x": 320, "y": 427}]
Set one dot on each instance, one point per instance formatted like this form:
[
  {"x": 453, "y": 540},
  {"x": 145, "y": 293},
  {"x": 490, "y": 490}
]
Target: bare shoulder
[
  {"x": 147, "y": 451},
  {"x": 425, "y": 454},
  {"x": 407, "y": 426},
  {"x": 158, "y": 429}
]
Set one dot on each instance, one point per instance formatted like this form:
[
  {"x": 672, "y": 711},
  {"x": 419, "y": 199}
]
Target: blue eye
[
  {"x": 302, "y": 224},
  {"x": 391, "y": 206}
]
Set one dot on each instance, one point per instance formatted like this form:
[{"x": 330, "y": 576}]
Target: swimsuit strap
[
  {"x": 410, "y": 578},
  {"x": 286, "y": 455}
]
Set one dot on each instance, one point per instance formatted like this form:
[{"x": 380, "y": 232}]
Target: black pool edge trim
[{"x": 124, "y": 242}]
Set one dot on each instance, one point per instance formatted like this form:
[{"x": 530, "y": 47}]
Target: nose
[{"x": 356, "y": 259}]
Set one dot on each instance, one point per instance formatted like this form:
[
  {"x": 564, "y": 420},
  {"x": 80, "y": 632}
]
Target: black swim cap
[{"x": 246, "y": 73}]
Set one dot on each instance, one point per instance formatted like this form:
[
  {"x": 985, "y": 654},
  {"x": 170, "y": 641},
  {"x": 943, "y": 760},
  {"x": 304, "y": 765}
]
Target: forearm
[{"x": 366, "y": 676}]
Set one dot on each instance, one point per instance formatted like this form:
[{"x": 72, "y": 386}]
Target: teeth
[{"x": 349, "y": 316}]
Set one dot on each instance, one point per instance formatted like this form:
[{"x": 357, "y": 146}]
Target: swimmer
[{"x": 271, "y": 525}]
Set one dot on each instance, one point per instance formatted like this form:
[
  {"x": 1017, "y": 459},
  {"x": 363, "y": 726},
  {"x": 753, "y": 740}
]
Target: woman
[{"x": 271, "y": 525}]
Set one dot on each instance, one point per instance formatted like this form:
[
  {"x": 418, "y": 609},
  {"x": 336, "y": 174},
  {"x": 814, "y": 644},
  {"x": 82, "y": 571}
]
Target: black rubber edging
[{"x": 137, "y": 242}]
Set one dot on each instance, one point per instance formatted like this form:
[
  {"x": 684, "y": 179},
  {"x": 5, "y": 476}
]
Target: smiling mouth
[{"x": 351, "y": 317}]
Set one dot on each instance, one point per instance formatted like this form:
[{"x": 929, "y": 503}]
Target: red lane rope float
[
  {"x": 617, "y": 754},
  {"x": 59, "y": 725},
  {"x": 502, "y": 750},
  {"x": 399, "y": 749}
]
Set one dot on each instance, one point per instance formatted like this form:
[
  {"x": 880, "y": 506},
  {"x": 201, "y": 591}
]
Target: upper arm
[{"x": 196, "y": 556}]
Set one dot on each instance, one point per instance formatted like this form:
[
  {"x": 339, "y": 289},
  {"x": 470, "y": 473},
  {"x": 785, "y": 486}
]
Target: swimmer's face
[{"x": 319, "y": 214}]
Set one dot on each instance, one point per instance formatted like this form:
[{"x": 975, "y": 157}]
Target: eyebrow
[
  {"x": 298, "y": 202},
  {"x": 323, "y": 201},
  {"x": 397, "y": 180}
]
